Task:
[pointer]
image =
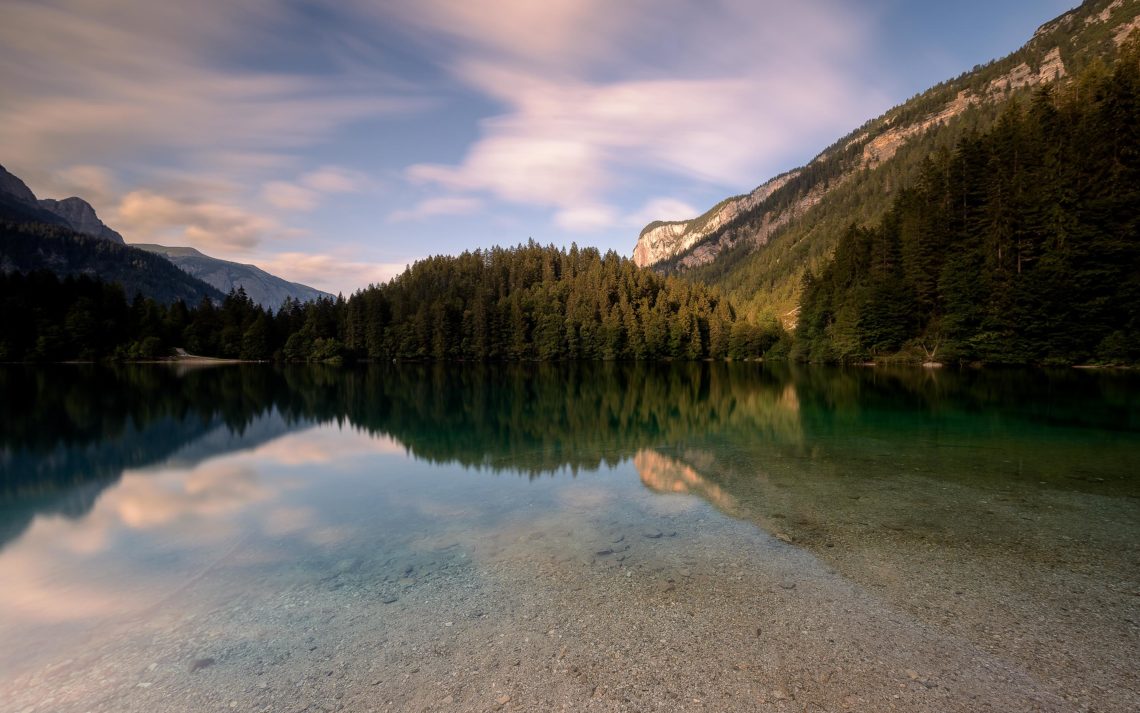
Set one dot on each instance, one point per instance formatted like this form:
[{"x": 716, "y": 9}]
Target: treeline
[
  {"x": 519, "y": 304},
  {"x": 1020, "y": 246},
  {"x": 542, "y": 303}
]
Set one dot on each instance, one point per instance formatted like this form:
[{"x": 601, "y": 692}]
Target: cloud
[
  {"x": 130, "y": 79},
  {"x": 661, "y": 209},
  {"x": 144, "y": 216},
  {"x": 585, "y": 218},
  {"x": 329, "y": 272},
  {"x": 333, "y": 179},
  {"x": 308, "y": 191},
  {"x": 95, "y": 184},
  {"x": 205, "y": 135},
  {"x": 289, "y": 196},
  {"x": 437, "y": 206},
  {"x": 634, "y": 92}
]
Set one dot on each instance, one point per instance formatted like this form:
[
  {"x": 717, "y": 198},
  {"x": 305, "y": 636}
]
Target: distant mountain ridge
[
  {"x": 757, "y": 246},
  {"x": 68, "y": 239},
  {"x": 262, "y": 287},
  {"x": 74, "y": 254}
]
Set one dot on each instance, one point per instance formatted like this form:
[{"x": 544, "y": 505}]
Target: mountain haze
[{"x": 757, "y": 246}]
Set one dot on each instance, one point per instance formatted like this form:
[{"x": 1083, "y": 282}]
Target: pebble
[
  {"x": 787, "y": 585},
  {"x": 389, "y": 599},
  {"x": 503, "y": 699},
  {"x": 654, "y": 534},
  {"x": 784, "y": 537}
]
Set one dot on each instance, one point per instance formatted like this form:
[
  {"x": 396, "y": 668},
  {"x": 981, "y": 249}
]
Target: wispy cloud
[
  {"x": 594, "y": 95},
  {"x": 431, "y": 207},
  {"x": 214, "y": 227},
  {"x": 661, "y": 209},
  {"x": 289, "y": 196},
  {"x": 135, "y": 77},
  {"x": 308, "y": 191},
  {"x": 162, "y": 90},
  {"x": 330, "y": 272}
]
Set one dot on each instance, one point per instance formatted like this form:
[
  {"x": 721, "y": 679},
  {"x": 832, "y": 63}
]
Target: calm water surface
[{"x": 581, "y": 537}]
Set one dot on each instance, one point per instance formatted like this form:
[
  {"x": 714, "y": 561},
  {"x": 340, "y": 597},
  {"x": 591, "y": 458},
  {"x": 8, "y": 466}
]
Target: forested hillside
[
  {"x": 535, "y": 302},
  {"x": 1022, "y": 245},
  {"x": 519, "y": 304},
  {"x": 759, "y": 257}
]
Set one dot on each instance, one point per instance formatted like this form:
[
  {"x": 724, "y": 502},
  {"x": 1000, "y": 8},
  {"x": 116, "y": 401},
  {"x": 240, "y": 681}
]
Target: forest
[
  {"x": 504, "y": 304},
  {"x": 1020, "y": 246}
]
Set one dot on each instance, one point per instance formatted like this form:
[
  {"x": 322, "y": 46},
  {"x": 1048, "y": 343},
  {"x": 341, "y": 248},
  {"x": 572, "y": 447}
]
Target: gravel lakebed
[
  {"x": 675, "y": 582},
  {"x": 678, "y": 609}
]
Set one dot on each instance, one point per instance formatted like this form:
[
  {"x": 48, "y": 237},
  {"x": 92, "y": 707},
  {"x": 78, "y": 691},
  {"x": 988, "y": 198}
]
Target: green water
[{"x": 147, "y": 513}]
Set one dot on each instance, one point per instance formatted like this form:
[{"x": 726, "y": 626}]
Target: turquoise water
[{"x": 598, "y": 536}]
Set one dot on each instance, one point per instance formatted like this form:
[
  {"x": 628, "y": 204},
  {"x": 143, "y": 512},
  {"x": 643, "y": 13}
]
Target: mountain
[
  {"x": 32, "y": 246},
  {"x": 68, "y": 250},
  {"x": 79, "y": 214},
  {"x": 758, "y": 246},
  {"x": 263, "y": 288},
  {"x": 18, "y": 202},
  {"x": 67, "y": 238}
]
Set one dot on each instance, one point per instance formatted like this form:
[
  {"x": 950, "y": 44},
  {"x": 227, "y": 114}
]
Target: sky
[{"x": 335, "y": 143}]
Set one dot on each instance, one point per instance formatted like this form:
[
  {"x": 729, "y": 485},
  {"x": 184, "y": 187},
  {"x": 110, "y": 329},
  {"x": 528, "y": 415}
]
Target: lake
[{"x": 568, "y": 537}]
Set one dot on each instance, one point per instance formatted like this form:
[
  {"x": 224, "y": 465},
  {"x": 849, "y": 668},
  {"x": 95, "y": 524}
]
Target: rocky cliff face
[
  {"x": 81, "y": 217},
  {"x": 756, "y": 218},
  {"x": 663, "y": 240}
]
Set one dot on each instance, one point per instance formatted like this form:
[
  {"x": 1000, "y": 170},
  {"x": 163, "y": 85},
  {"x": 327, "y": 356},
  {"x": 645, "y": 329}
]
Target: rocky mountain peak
[
  {"x": 81, "y": 217},
  {"x": 14, "y": 187},
  {"x": 73, "y": 212}
]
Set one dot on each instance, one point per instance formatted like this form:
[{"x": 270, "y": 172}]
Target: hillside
[
  {"x": 758, "y": 246},
  {"x": 1019, "y": 247},
  {"x": 263, "y": 288}
]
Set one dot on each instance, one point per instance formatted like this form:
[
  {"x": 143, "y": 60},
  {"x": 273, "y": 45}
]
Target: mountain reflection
[{"x": 70, "y": 431}]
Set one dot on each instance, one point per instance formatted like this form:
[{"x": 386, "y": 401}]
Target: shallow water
[{"x": 580, "y": 537}]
